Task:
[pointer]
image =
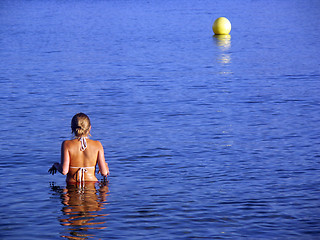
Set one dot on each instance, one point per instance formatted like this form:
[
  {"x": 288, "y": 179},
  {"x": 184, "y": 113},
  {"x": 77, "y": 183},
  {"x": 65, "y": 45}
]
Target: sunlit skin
[{"x": 72, "y": 158}]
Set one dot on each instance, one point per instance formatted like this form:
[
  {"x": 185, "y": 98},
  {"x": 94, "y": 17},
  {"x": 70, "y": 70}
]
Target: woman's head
[{"x": 80, "y": 125}]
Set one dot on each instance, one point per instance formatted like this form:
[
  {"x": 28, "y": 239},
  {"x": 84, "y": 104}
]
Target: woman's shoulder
[
  {"x": 68, "y": 143},
  {"x": 95, "y": 143},
  {"x": 74, "y": 143}
]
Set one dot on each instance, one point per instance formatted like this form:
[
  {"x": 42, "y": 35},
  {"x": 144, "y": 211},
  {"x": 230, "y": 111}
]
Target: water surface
[{"x": 206, "y": 137}]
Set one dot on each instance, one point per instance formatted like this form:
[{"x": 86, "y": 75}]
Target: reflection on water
[
  {"x": 224, "y": 44},
  {"x": 208, "y": 137},
  {"x": 81, "y": 207},
  {"x": 224, "y": 58}
]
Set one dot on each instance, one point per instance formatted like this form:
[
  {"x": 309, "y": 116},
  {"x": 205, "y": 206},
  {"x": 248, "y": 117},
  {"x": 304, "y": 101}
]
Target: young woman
[{"x": 80, "y": 155}]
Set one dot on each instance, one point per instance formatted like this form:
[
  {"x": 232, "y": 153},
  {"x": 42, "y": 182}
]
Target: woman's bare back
[{"x": 73, "y": 159}]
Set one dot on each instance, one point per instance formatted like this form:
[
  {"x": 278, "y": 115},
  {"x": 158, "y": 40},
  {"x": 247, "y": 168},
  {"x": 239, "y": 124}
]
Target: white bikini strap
[
  {"x": 83, "y": 143},
  {"x": 84, "y": 167},
  {"x": 81, "y": 172}
]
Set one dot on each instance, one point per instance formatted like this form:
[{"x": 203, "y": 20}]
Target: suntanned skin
[{"x": 71, "y": 156}]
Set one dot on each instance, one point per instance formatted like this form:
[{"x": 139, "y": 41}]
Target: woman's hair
[{"x": 80, "y": 125}]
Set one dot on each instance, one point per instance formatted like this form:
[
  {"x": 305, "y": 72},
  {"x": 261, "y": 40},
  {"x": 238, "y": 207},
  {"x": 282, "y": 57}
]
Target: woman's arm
[
  {"x": 62, "y": 167},
  {"x": 65, "y": 159},
  {"x": 103, "y": 166}
]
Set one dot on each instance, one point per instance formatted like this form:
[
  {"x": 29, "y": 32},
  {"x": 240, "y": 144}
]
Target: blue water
[{"x": 206, "y": 137}]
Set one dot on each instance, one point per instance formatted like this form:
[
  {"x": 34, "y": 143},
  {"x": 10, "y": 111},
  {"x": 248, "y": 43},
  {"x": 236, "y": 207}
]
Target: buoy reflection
[
  {"x": 224, "y": 58},
  {"x": 224, "y": 44}
]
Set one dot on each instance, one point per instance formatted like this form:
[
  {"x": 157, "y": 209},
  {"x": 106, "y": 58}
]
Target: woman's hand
[
  {"x": 52, "y": 170},
  {"x": 108, "y": 173}
]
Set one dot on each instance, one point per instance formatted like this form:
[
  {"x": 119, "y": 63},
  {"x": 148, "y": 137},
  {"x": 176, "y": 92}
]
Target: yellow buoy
[{"x": 221, "y": 26}]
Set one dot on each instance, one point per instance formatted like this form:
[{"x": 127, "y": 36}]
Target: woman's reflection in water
[{"x": 82, "y": 205}]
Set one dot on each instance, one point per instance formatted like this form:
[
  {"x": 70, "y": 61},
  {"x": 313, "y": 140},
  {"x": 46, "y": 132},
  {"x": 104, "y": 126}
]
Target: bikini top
[
  {"x": 83, "y": 141},
  {"x": 81, "y": 171}
]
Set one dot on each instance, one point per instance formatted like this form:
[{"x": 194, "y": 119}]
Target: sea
[{"x": 206, "y": 136}]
